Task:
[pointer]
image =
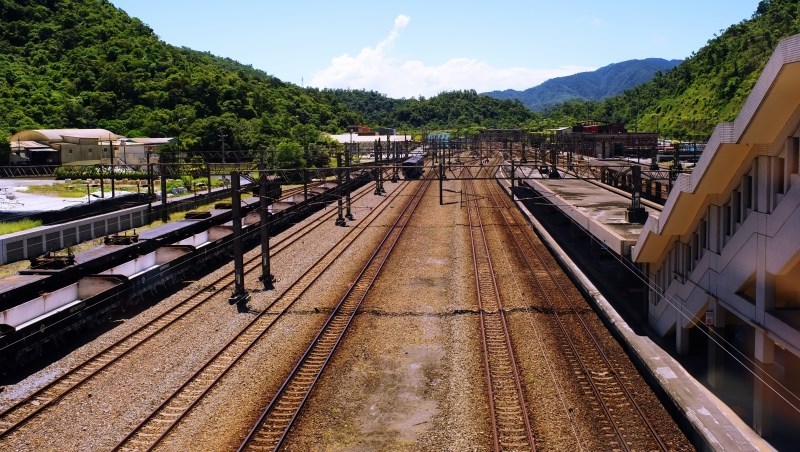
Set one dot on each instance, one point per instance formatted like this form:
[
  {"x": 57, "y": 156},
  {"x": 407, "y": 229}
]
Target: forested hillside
[
  {"x": 707, "y": 88},
  {"x": 453, "y": 110},
  {"x": 72, "y": 63},
  {"x": 594, "y": 85},
  {"x": 75, "y": 64}
]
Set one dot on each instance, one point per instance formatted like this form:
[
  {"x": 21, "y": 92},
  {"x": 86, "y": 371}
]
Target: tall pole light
[
  {"x": 266, "y": 273},
  {"x": 222, "y": 136},
  {"x": 240, "y": 295},
  {"x": 111, "y": 151}
]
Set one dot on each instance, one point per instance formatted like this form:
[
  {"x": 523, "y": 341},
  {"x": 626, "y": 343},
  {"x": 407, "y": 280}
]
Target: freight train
[{"x": 45, "y": 304}]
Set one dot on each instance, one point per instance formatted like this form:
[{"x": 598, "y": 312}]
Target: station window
[
  {"x": 687, "y": 253},
  {"x": 702, "y": 233},
  {"x": 793, "y": 152},
  {"x": 747, "y": 189},
  {"x": 675, "y": 259},
  {"x": 780, "y": 186},
  {"x": 726, "y": 220},
  {"x": 736, "y": 204}
]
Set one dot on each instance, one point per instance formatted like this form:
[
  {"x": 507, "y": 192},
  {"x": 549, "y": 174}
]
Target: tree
[
  {"x": 5, "y": 150},
  {"x": 289, "y": 154}
]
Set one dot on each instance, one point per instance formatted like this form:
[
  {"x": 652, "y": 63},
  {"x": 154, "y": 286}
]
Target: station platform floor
[
  {"x": 600, "y": 210},
  {"x": 597, "y": 208}
]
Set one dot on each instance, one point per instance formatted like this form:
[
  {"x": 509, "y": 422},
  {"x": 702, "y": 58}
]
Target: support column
[
  {"x": 380, "y": 168},
  {"x": 716, "y": 351},
  {"x": 681, "y": 332},
  {"x": 340, "y": 217},
  {"x": 208, "y": 175},
  {"x": 762, "y": 394},
  {"x": 266, "y": 272},
  {"x": 553, "y": 164},
  {"x": 305, "y": 184},
  {"x": 764, "y": 347},
  {"x": 377, "y": 153},
  {"x": 441, "y": 179},
  {"x": 240, "y": 295},
  {"x": 164, "y": 213},
  {"x": 347, "y": 163}
]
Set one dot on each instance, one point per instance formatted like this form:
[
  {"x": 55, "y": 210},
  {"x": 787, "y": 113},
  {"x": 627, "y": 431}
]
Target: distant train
[{"x": 412, "y": 167}]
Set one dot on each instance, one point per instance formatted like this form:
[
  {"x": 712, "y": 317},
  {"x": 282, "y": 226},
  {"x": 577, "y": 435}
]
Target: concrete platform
[
  {"x": 712, "y": 425},
  {"x": 598, "y": 209}
]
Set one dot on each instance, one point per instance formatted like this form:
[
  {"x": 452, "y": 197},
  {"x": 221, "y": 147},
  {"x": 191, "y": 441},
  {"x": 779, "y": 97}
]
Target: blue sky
[{"x": 408, "y": 48}]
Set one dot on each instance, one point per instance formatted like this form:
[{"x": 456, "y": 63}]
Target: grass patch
[
  {"x": 16, "y": 226},
  {"x": 63, "y": 190},
  {"x": 77, "y": 189}
]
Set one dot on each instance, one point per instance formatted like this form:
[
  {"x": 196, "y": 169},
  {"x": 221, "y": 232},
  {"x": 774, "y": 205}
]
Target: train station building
[{"x": 723, "y": 257}]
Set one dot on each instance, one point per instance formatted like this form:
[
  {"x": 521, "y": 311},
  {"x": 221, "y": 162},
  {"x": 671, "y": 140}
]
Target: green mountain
[
  {"x": 594, "y": 85},
  {"x": 71, "y": 63},
  {"x": 707, "y": 88}
]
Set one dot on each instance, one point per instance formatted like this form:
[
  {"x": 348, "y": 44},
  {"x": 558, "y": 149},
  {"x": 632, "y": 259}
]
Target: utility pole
[
  {"x": 111, "y": 151},
  {"x": 347, "y": 162},
  {"x": 441, "y": 179},
  {"x": 240, "y": 295},
  {"x": 266, "y": 273},
  {"x": 102, "y": 185},
  {"x": 340, "y": 217},
  {"x": 222, "y": 137},
  {"x": 164, "y": 213},
  {"x": 377, "y": 154},
  {"x": 149, "y": 188}
]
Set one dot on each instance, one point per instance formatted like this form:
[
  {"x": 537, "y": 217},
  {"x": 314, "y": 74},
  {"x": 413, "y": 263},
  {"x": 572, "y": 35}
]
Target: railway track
[
  {"x": 511, "y": 429},
  {"x": 21, "y": 412},
  {"x": 155, "y": 428},
  {"x": 621, "y": 421},
  {"x": 273, "y": 425}
]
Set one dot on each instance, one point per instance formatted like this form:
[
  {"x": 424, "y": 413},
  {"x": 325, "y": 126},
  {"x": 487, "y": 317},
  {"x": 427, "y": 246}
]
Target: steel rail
[
  {"x": 511, "y": 428},
  {"x": 272, "y": 427},
  {"x": 21, "y": 412},
  {"x": 152, "y": 431},
  {"x": 538, "y": 248}
]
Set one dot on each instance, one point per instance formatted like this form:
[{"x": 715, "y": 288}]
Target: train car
[
  {"x": 48, "y": 302},
  {"x": 412, "y": 167}
]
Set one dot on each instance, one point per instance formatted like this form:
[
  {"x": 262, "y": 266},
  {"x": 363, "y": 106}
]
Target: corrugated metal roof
[
  {"x": 152, "y": 140},
  {"x": 51, "y": 135},
  {"x": 17, "y": 145}
]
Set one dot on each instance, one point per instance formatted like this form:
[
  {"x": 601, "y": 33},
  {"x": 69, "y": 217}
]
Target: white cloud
[{"x": 374, "y": 68}]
